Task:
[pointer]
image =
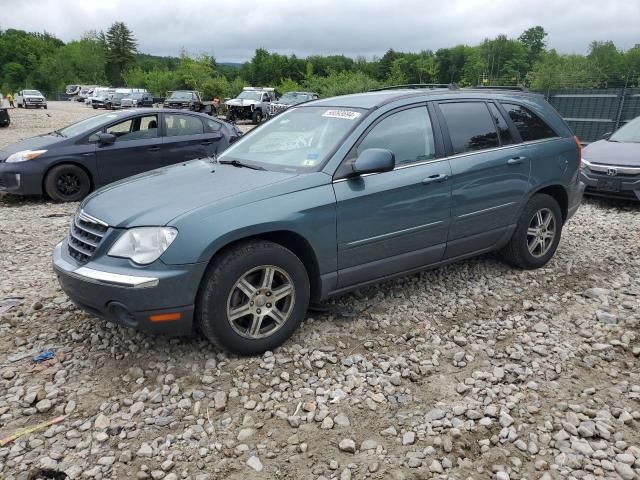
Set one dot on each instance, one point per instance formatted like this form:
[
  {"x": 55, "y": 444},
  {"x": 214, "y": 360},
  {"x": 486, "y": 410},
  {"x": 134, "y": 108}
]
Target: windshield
[
  {"x": 181, "y": 96},
  {"x": 294, "y": 97},
  {"x": 249, "y": 95},
  {"x": 299, "y": 139},
  {"x": 87, "y": 125},
  {"x": 32, "y": 92},
  {"x": 629, "y": 133}
]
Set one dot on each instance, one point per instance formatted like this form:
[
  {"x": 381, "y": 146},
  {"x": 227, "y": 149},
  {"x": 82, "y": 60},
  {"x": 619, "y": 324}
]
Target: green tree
[
  {"x": 121, "y": 49},
  {"x": 534, "y": 41}
]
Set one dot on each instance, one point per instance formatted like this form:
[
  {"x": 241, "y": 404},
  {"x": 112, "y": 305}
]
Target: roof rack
[
  {"x": 450, "y": 86},
  {"x": 520, "y": 88}
]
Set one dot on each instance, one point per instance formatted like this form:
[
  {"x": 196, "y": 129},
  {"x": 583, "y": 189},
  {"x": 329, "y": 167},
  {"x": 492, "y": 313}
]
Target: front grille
[{"x": 85, "y": 236}]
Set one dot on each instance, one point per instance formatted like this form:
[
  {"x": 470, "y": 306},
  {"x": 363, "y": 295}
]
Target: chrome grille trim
[{"x": 85, "y": 236}]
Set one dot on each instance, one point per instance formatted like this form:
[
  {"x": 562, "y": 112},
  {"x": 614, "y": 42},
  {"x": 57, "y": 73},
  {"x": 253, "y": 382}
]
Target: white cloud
[{"x": 232, "y": 29}]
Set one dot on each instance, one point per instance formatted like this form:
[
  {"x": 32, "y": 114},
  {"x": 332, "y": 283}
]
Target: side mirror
[
  {"x": 374, "y": 160},
  {"x": 106, "y": 138},
  {"x": 607, "y": 135}
]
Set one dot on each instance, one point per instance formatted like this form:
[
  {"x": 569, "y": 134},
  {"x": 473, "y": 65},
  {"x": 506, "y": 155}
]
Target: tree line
[{"x": 44, "y": 62}]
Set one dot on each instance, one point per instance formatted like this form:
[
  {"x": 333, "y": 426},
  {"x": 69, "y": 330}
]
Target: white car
[{"x": 30, "y": 98}]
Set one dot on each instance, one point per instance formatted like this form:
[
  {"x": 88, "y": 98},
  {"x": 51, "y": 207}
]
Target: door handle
[
  {"x": 516, "y": 160},
  {"x": 153, "y": 149},
  {"x": 440, "y": 177}
]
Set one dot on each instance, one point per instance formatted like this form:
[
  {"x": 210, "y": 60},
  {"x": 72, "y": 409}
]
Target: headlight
[
  {"x": 24, "y": 155},
  {"x": 144, "y": 245}
]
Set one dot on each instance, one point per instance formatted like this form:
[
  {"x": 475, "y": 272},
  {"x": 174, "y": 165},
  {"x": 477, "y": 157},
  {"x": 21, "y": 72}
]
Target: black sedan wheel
[{"x": 67, "y": 183}]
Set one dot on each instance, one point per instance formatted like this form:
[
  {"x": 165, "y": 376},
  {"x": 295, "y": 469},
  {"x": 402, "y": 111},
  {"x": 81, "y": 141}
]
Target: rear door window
[
  {"x": 501, "y": 124},
  {"x": 470, "y": 126},
  {"x": 177, "y": 124},
  {"x": 529, "y": 125}
]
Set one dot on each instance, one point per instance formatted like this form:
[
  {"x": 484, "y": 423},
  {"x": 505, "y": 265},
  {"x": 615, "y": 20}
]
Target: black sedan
[
  {"x": 68, "y": 163},
  {"x": 611, "y": 167}
]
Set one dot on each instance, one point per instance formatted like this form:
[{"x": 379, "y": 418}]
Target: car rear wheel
[
  {"x": 537, "y": 234},
  {"x": 253, "y": 297},
  {"x": 67, "y": 183}
]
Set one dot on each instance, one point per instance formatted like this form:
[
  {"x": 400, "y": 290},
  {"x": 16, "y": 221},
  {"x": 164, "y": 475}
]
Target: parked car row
[{"x": 327, "y": 196}]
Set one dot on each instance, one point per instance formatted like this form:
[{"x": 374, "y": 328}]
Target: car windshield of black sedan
[
  {"x": 629, "y": 133},
  {"x": 299, "y": 139},
  {"x": 87, "y": 125}
]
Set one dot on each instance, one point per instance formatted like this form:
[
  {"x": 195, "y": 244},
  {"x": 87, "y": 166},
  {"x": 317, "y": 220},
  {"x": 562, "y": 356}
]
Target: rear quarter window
[{"x": 529, "y": 125}]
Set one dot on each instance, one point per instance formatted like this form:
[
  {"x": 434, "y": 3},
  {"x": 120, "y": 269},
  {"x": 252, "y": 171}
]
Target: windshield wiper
[{"x": 239, "y": 164}]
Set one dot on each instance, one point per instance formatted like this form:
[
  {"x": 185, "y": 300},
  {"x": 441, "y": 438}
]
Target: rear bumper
[
  {"x": 159, "y": 301},
  {"x": 575, "y": 199}
]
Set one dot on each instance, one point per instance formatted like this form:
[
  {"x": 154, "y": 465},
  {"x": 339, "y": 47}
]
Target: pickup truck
[
  {"x": 185, "y": 99},
  {"x": 30, "y": 98},
  {"x": 252, "y": 104}
]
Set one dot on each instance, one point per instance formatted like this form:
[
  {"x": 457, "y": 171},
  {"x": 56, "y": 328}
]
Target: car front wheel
[
  {"x": 67, "y": 183},
  {"x": 253, "y": 297},
  {"x": 537, "y": 234}
]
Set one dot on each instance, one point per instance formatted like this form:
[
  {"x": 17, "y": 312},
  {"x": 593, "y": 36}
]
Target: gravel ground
[{"x": 474, "y": 370}]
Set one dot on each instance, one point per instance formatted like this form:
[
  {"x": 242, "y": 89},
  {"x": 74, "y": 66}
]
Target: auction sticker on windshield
[{"x": 346, "y": 114}]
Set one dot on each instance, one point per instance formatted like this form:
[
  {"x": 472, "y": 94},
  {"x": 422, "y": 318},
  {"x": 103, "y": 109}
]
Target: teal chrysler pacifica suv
[{"x": 328, "y": 196}]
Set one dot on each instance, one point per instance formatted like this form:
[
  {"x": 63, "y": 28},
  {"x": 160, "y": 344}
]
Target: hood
[
  {"x": 240, "y": 102},
  {"x": 41, "y": 142},
  {"x": 157, "y": 197},
  {"x": 613, "y": 153},
  {"x": 41, "y": 97}
]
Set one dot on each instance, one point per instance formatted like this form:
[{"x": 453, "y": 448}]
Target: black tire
[
  {"x": 219, "y": 288},
  {"x": 231, "y": 117},
  {"x": 517, "y": 251},
  {"x": 256, "y": 117},
  {"x": 45, "y": 107},
  {"x": 67, "y": 183},
  {"x": 95, "y": 107}
]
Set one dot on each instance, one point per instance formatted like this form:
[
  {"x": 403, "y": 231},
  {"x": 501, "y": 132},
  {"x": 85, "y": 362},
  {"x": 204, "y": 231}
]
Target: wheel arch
[
  {"x": 291, "y": 240},
  {"x": 559, "y": 194}
]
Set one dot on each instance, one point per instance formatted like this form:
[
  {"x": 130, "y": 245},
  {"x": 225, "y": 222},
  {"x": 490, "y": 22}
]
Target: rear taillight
[{"x": 579, "y": 150}]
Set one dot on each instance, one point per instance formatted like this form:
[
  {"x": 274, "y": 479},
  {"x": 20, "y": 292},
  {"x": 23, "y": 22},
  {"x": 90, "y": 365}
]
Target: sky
[{"x": 231, "y": 30}]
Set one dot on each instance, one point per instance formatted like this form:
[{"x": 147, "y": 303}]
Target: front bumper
[
  {"x": 607, "y": 181},
  {"x": 158, "y": 300},
  {"x": 23, "y": 178},
  {"x": 34, "y": 103}
]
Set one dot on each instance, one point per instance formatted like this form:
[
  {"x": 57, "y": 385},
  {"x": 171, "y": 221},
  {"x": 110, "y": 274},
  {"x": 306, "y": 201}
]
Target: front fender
[{"x": 309, "y": 213}]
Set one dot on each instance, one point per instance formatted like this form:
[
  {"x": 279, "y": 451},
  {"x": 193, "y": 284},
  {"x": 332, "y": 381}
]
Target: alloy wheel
[
  {"x": 260, "y": 302},
  {"x": 68, "y": 184},
  {"x": 541, "y": 232}
]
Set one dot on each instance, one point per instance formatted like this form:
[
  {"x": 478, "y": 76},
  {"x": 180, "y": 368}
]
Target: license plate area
[{"x": 609, "y": 185}]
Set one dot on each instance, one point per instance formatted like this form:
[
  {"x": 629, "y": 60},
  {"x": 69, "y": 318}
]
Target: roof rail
[
  {"x": 450, "y": 86},
  {"x": 520, "y": 88}
]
